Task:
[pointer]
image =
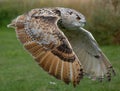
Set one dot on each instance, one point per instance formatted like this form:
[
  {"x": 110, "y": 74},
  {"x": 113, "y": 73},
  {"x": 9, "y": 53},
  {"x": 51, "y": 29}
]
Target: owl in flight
[{"x": 39, "y": 31}]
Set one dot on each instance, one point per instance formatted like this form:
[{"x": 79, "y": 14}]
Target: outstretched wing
[
  {"x": 95, "y": 64},
  {"x": 48, "y": 45}
]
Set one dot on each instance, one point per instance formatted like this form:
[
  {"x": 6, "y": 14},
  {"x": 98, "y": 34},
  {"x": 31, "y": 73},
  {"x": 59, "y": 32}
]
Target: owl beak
[{"x": 83, "y": 22}]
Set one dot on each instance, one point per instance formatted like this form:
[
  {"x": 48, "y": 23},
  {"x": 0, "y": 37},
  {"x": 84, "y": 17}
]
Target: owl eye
[
  {"x": 70, "y": 13},
  {"x": 78, "y": 18}
]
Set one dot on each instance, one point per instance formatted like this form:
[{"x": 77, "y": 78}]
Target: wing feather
[
  {"x": 39, "y": 33},
  {"x": 48, "y": 45},
  {"x": 66, "y": 72},
  {"x": 95, "y": 64}
]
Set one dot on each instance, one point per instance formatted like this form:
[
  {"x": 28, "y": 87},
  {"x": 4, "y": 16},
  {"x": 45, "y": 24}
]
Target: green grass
[{"x": 19, "y": 72}]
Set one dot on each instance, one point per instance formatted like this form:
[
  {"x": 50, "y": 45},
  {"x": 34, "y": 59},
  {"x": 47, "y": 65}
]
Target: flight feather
[{"x": 39, "y": 31}]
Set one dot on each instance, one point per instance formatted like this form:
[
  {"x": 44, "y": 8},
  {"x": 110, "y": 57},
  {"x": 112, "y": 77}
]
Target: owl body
[{"x": 39, "y": 32}]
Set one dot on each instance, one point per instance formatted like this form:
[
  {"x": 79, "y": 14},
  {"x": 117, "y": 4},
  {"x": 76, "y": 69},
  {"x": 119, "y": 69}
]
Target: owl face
[{"x": 72, "y": 19}]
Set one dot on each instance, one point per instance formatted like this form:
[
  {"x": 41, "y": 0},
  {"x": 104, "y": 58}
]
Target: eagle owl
[{"x": 39, "y": 31}]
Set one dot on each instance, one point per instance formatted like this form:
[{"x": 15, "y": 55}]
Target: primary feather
[{"x": 38, "y": 31}]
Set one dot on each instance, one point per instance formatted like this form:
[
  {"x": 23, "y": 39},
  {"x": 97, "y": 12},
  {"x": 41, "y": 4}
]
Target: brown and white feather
[
  {"x": 42, "y": 38},
  {"x": 40, "y": 35}
]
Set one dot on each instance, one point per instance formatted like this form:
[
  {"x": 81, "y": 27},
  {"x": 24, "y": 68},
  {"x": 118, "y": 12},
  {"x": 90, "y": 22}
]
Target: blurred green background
[
  {"x": 18, "y": 72},
  {"x": 103, "y": 16}
]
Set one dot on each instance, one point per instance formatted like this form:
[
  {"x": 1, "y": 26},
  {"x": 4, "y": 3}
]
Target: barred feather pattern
[
  {"x": 39, "y": 32},
  {"x": 57, "y": 58}
]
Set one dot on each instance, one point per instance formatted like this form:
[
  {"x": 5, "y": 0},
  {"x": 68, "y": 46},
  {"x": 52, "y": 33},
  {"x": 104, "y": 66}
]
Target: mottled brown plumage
[{"x": 38, "y": 31}]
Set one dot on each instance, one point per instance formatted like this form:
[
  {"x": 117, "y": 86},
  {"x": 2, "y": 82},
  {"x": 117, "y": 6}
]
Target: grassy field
[{"x": 19, "y": 72}]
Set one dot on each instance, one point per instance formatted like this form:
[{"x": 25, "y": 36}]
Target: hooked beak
[{"x": 83, "y": 22}]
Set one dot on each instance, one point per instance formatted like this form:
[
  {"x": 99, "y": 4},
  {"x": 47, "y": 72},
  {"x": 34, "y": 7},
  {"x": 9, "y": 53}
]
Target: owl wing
[
  {"x": 95, "y": 64},
  {"x": 48, "y": 45}
]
